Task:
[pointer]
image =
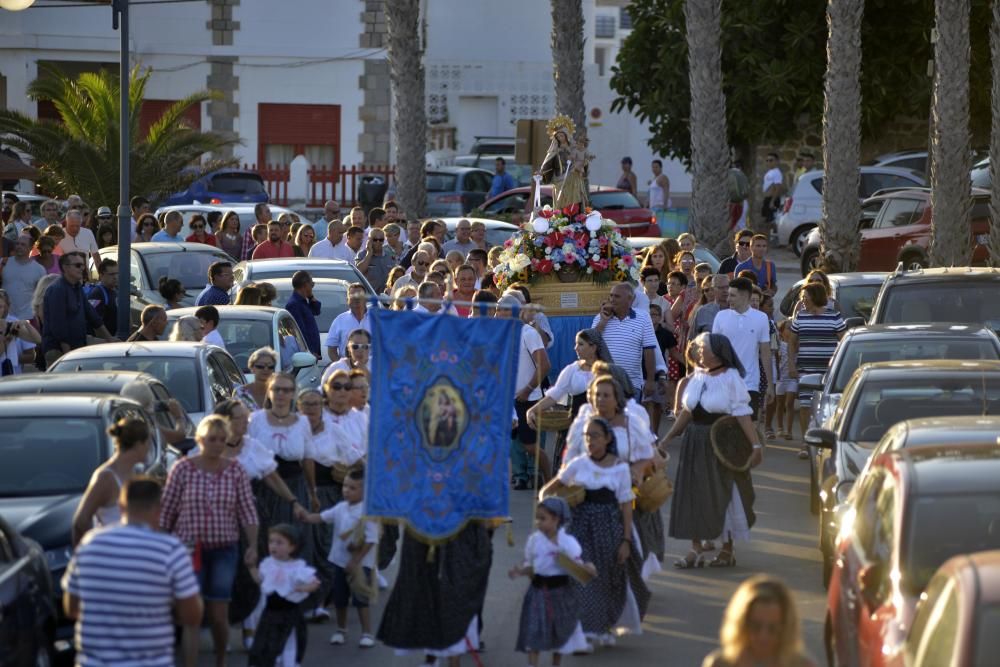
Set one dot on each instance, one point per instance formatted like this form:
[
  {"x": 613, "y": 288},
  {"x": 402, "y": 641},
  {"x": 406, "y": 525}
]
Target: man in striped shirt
[
  {"x": 630, "y": 337},
  {"x": 124, "y": 583}
]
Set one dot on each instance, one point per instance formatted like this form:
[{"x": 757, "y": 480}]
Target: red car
[
  {"x": 896, "y": 227},
  {"x": 618, "y": 205},
  {"x": 957, "y": 619},
  {"x": 912, "y": 511}
]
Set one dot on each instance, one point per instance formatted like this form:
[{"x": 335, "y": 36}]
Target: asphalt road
[{"x": 682, "y": 624}]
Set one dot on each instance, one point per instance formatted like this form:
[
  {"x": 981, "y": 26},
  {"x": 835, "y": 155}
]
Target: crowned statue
[{"x": 565, "y": 163}]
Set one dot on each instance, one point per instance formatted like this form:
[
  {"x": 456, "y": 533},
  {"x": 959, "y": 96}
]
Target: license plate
[{"x": 982, "y": 239}]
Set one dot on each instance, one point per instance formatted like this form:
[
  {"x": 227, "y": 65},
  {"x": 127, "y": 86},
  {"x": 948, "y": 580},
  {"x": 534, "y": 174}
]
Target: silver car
[
  {"x": 267, "y": 270},
  {"x": 244, "y": 211},
  {"x": 330, "y": 292},
  {"x": 456, "y": 190}
]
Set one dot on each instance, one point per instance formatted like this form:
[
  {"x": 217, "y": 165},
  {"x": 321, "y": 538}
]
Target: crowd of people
[{"x": 269, "y": 508}]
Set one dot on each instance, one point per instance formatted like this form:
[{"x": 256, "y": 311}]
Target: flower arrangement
[{"x": 567, "y": 241}]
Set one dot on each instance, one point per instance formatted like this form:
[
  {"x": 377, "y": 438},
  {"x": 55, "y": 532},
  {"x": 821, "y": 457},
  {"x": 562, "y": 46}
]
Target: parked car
[
  {"x": 248, "y": 328},
  {"x": 803, "y": 209},
  {"x": 632, "y": 218},
  {"x": 928, "y": 431},
  {"x": 244, "y": 211},
  {"x": 49, "y": 451},
  {"x": 36, "y": 202},
  {"x": 963, "y": 295},
  {"x": 267, "y": 270},
  {"x": 330, "y": 292},
  {"x": 497, "y": 231},
  {"x": 914, "y": 510},
  {"x": 809, "y": 258},
  {"x": 878, "y": 396},
  {"x": 958, "y": 614},
  {"x": 187, "y": 262},
  {"x": 198, "y": 375},
  {"x": 980, "y": 176},
  {"x": 27, "y": 601},
  {"x": 456, "y": 190},
  {"x": 917, "y": 160},
  {"x": 701, "y": 254},
  {"x": 223, "y": 186},
  {"x": 522, "y": 173},
  {"x": 854, "y": 292}
]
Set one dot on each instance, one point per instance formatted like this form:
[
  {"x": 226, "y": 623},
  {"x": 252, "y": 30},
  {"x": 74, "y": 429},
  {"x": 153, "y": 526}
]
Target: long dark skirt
[
  {"x": 387, "y": 544},
  {"x": 548, "y": 618},
  {"x": 649, "y": 525},
  {"x": 433, "y": 603},
  {"x": 276, "y": 625},
  {"x": 246, "y": 592},
  {"x": 322, "y": 536},
  {"x": 598, "y": 527},
  {"x": 698, "y": 507}
]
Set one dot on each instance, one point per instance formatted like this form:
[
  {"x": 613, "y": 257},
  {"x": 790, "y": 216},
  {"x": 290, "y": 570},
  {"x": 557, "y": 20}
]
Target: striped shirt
[
  {"x": 627, "y": 339},
  {"x": 127, "y": 578},
  {"x": 817, "y": 339}
]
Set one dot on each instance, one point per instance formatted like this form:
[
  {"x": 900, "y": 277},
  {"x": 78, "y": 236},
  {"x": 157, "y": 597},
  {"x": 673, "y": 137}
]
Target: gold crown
[{"x": 561, "y": 122}]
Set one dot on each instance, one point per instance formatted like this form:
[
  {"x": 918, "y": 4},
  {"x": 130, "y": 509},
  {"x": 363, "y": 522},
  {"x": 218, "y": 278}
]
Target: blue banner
[{"x": 441, "y": 409}]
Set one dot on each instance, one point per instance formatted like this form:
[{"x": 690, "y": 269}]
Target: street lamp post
[{"x": 119, "y": 22}]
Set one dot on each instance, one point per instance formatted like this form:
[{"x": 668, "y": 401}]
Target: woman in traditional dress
[
  {"x": 711, "y": 501},
  {"x": 615, "y": 600},
  {"x": 262, "y": 363}
]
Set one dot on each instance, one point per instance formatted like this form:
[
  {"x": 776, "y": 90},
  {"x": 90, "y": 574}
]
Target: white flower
[
  {"x": 520, "y": 263},
  {"x": 557, "y": 266},
  {"x": 590, "y": 269}
]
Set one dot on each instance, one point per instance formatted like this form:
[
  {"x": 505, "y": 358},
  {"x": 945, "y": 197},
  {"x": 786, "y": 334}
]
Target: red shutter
[{"x": 299, "y": 125}]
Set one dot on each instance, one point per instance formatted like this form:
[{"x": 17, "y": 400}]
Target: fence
[{"x": 323, "y": 184}]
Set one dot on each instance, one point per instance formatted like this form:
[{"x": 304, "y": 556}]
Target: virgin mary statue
[{"x": 565, "y": 164}]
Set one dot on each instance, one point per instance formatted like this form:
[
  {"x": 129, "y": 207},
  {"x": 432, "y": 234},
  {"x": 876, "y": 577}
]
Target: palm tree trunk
[
  {"x": 995, "y": 139},
  {"x": 567, "y": 59},
  {"x": 709, "y": 219},
  {"x": 409, "y": 117},
  {"x": 950, "y": 150},
  {"x": 842, "y": 136}
]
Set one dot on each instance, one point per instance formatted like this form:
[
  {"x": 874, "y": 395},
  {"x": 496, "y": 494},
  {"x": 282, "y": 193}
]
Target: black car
[
  {"x": 27, "y": 602},
  {"x": 897, "y": 342},
  {"x": 49, "y": 449},
  {"x": 879, "y": 396},
  {"x": 965, "y": 295}
]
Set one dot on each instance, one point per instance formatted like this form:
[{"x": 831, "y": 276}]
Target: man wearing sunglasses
[
  {"x": 356, "y": 317},
  {"x": 66, "y": 311},
  {"x": 741, "y": 242}
]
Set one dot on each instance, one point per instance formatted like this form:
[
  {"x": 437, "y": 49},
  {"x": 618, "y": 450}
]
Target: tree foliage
[
  {"x": 773, "y": 62},
  {"x": 79, "y": 154}
]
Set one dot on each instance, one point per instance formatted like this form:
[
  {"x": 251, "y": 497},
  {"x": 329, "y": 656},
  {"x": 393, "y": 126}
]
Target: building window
[
  {"x": 624, "y": 18},
  {"x": 604, "y": 26}
]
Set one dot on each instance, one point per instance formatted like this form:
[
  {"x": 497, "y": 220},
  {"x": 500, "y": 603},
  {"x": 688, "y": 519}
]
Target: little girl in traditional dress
[
  {"x": 285, "y": 582},
  {"x": 550, "y": 615}
]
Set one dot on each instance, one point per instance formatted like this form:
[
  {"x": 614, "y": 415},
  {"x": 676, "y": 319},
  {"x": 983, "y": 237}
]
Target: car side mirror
[
  {"x": 852, "y": 322},
  {"x": 302, "y": 360},
  {"x": 865, "y": 224},
  {"x": 823, "y": 438},
  {"x": 134, "y": 291},
  {"x": 811, "y": 382}
]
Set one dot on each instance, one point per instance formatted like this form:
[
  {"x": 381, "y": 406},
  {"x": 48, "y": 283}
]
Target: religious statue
[{"x": 565, "y": 164}]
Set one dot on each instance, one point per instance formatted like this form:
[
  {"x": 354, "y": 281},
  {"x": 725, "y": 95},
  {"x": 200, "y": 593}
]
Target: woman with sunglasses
[
  {"x": 229, "y": 238},
  {"x": 305, "y": 237},
  {"x": 145, "y": 227},
  {"x": 359, "y": 343},
  {"x": 199, "y": 231},
  {"x": 261, "y": 363}
]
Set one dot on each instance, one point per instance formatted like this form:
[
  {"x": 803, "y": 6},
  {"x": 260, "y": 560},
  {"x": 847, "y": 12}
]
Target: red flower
[
  {"x": 571, "y": 210},
  {"x": 542, "y": 265},
  {"x": 547, "y": 212}
]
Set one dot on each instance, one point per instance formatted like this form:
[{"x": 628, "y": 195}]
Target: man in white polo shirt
[{"x": 748, "y": 333}]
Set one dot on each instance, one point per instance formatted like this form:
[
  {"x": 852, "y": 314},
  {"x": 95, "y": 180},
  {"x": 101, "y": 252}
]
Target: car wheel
[
  {"x": 810, "y": 260},
  {"x": 798, "y": 240},
  {"x": 914, "y": 262}
]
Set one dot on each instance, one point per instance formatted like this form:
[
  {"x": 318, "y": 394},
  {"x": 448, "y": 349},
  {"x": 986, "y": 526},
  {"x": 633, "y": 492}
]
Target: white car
[
  {"x": 497, "y": 231},
  {"x": 803, "y": 209},
  {"x": 245, "y": 211},
  {"x": 330, "y": 292},
  {"x": 268, "y": 270},
  {"x": 248, "y": 328}
]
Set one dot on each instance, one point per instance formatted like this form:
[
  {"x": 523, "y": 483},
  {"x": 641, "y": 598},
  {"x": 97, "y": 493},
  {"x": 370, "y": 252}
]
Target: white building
[{"x": 310, "y": 77}]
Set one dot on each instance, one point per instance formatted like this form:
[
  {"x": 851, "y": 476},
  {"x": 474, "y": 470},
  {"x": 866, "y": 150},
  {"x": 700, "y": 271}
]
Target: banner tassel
[{"x": 431, "y": 551}]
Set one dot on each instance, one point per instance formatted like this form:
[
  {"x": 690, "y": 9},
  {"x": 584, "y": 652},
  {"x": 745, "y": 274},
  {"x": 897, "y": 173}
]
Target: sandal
[
  {"x": 769, "y": 434},
  {"x": 789, "y": 436},
  {"x": 692, "y": 560},
  {"x": 724, "y": 559}
]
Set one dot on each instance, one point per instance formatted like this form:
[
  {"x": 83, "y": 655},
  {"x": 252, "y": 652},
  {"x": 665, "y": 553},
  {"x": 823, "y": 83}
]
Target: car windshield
[
  {"x": 942, "y": 526},
  {"x": 333, "y": 298},
  {"x": 190, "y": 267},
  {"x": 972, "y": 302},
  {"x": 242, "y": 337},
  {"x": 612, "y": 201},
  {"x": 987, "y": 638},
  {"x": 261, "y": 271},
  {"x": 237, "y": 184},
  {"x": 901, "y": 347},
  {"x": 438, "y": 182},
  {"x": 179, "y": 374},
  {"x": 857, "y": 300},
  {"x": 51, "y": 455},
  {"x": 881, "y": 404}
]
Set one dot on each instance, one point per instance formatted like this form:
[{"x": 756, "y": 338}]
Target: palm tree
[
  {"x": 709, "y": 146},
  {"x": 567, "y": 59},
  {"x": 950, "y": 149},
  {"x": 79, "y": 153},
  {"x": 842, "y": 136},
  {"x": 409, "y": 117},
  {"x": 995, "y": 139}
]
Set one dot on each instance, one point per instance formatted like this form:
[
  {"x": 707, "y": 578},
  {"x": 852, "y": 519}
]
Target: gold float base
[{"x": 559, "y": 298}]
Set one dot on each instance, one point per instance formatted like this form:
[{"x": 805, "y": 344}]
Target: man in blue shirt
[
  {"x": 502, "y": 181},
  {"x": 171, "y": 232},
  {"x": 66, "y": 311},
  {"x": 304, "y": 307},
  {"x": 763, "y": 268},
  {"x": 220, "y": 279}
]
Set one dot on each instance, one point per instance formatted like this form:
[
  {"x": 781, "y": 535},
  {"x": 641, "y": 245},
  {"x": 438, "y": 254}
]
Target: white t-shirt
[
  {"x": 772, "y": 177},
  {"x": 213, "y": 337},
  {"x": 83, "y": 242},
  {"x": 745, "y": 332},
  {"x": 344, "y": 517},
  {"x": 531, "y": 342},
  {"x": 19, "y": 280},
  {"x": 15, "y": 348}
]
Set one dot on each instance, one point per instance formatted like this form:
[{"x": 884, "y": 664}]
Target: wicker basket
[
  {"x": 574, "y": 569},
  {"x": 573, "y": 495},
  {"x": 654, "y": 491},
  {"x": 554, "y": 419}
]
